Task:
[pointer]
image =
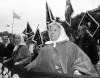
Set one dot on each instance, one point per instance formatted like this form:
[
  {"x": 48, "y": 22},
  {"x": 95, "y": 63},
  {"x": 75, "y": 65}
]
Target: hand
[
  {"x": 16, "y": 63},
  {"x": 77, "y": 72},
  {"x": 29, "y": 66},
  {"x": 5, "y": 61},
  {"x": 4, "y": 58}
]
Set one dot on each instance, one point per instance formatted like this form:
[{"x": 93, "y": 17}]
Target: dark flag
[
  {"x": 49, "y": 15},
  {"x": 28, "y": 31},
  {"x": 8, "y": 25},
  {"x": 91, "y": 24},
  {"x": 68, "y": 11},
  {"x": 37, "y": 37}
]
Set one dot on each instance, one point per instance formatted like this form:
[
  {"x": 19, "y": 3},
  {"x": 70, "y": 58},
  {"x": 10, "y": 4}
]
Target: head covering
[
  {"x": 22, "y": 42},
  {"x": 63, "y": 36}
]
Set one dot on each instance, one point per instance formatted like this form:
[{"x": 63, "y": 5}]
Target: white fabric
[
  {"x": 62, "y": 35},
  {"x": 31, "y": 48},
  {"x": 15, "y": 76},
  {"x": 0, "y": 68},
  {"x": 22, "y": 42},
  {"x": 1, "y": 40},
  {"x": 77, "y": 72}
]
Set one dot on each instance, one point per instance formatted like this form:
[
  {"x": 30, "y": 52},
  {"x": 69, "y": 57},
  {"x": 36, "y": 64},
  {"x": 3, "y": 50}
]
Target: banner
[
  {"x": 49, "y": 15},
  {"x": 16, "y": 16},
  {"x": 90, "y": 23},
  {"x": 68, "y": 11}
]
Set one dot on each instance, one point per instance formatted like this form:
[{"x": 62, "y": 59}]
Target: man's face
[
  {"x": 81, "y": 31},
  {"x": 5, "y": 39}
]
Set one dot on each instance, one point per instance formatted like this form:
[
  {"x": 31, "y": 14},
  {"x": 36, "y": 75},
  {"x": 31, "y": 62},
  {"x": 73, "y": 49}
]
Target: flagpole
[
  {"x": 70, "y": 21},
  {"x": 38, "y": 26},
  {"x": 12, "y": 25}
]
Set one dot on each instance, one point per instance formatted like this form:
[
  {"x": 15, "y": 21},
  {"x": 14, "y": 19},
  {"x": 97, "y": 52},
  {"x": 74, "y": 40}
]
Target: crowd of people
[{"x": 59, "y": 55}]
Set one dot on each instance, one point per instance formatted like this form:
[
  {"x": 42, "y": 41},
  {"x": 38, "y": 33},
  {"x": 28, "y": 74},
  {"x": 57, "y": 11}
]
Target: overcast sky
[{"x": 34, "y": 11}]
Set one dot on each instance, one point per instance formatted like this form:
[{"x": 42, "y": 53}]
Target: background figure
[
  {"x": 87, "y": 44},
  {"x": 7, "y": 48},
  {"x": 21, "y": 54},
  {"x": 32, "y": 48},
  {"x": 31, "y": 45},
  {"x": 71, "y": 37},
  {"x": 1, "y": 49},
  {"x": 60, "y": 55}
]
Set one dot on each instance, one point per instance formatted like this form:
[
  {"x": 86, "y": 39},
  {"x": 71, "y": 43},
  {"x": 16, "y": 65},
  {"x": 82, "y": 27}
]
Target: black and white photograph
[{"x": 49, "y": 38}]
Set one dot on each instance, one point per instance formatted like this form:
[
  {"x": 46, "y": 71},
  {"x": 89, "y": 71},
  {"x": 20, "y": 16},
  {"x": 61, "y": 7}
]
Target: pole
[
  {"x": 70, "y": 22},
  {"x": 12, "y": 23},
  {"x": 12, "y": 27}
]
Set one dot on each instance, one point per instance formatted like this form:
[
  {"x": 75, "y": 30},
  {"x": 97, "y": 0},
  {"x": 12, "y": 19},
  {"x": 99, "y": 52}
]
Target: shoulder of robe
[{"x": 23, "y": 47}]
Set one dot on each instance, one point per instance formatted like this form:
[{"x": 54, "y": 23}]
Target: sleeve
[
  {"x": 10, "y": 48},
  {"x": 82, "y": 62},
  {"x": 94, "y": 52},
  {"x": 37, "y": 62},
  {"x": 26, "y": 56}
]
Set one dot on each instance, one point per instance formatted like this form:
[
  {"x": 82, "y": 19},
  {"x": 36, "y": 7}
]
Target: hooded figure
[
  {"x": 60, "y": 55},
  {"x": 21, "y": 54},
  {"x": 21, "y": 51}
]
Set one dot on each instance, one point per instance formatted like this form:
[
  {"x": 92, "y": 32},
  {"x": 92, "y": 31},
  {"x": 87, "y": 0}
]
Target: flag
[
  {"x": 90, "y": 23},
  {"x": 37, "y": 37},
  {"x": 28, "y": 31},
  {"x": 28, "y": 28},
  {"x": 49, "y": 15},
  {"x": 68, "y": 11},
  {"x": 16, "y": 16},
  {"x": 8, "y": 25}
]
